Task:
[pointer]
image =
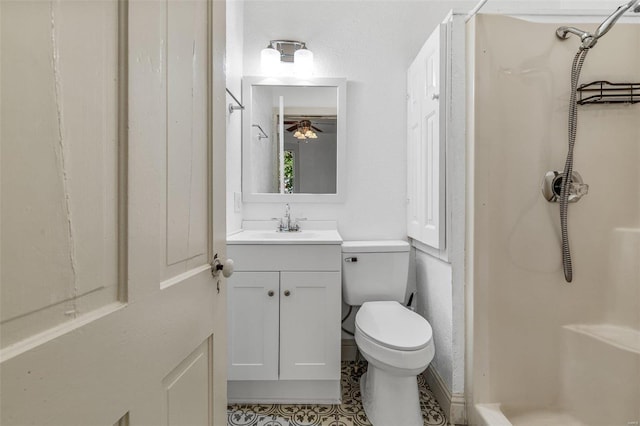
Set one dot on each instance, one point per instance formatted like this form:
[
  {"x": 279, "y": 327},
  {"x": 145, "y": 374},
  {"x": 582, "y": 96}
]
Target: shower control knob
[{"x": 552, "y": 186}]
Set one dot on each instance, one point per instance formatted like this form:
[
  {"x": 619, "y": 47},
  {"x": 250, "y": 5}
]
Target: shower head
[
  {"x": 608, "y": 23},
  {"x": 590, "y": 39}
]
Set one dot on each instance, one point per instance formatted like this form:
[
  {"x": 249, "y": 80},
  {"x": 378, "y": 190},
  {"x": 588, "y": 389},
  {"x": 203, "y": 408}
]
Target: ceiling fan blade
[
  {"x": 292, "y": 128},
  {"x": 316, "y": 129}
]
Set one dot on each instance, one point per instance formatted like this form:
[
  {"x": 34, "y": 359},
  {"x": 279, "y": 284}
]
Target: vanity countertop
[{"x": 305, "y": 236}]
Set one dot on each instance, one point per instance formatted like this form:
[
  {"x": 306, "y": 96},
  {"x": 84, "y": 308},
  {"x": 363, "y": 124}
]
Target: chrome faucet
[
  {"x": 285, "y": 224},
  {"x": 287, "y": 218}
]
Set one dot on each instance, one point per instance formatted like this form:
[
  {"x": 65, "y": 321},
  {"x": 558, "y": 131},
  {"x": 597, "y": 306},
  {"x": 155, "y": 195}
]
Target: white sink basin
[{"x": 261, "y": 236}]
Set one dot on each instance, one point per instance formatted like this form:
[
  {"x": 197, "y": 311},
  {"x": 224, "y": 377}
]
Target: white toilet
[{"x": 396, "y": 342}]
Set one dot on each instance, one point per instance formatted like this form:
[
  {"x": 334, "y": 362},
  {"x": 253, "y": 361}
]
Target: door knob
[
  {"x": 226, "y": 267},
  {"x": 270, "y": 293},
  {"x": 287, "y": 293}
]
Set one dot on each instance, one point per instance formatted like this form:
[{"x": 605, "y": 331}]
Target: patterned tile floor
[{"x": 349, "y": 413}]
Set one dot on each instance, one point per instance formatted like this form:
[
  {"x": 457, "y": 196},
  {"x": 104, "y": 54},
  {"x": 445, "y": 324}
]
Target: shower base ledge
[
  {"x": 493, "y": 415},
  {"x": 600, "y": 364},
  {"x": 627, "y": 339}
]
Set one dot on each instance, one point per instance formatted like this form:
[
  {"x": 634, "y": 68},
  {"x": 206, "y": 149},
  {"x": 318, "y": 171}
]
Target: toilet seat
[
  {"x": 391, "y": 325},
  {"x": 398, "y": 345}
]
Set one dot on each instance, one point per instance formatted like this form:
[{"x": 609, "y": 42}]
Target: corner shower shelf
[{"x": 604, "y": 92}]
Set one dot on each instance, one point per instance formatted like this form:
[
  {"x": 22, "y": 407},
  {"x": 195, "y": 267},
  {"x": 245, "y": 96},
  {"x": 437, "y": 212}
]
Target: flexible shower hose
[{"x": 576, "y": 67}]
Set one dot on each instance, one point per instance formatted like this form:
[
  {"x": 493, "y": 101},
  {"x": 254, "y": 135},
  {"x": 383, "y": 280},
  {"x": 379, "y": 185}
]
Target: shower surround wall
[{"x": 542, "y": 348}]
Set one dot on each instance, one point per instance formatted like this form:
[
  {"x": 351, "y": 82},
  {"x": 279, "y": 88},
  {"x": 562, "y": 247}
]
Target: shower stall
[{"x": 540, "y": 350}]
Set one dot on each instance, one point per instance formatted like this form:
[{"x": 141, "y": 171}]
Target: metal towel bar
[{"x": 233, "y": 107}]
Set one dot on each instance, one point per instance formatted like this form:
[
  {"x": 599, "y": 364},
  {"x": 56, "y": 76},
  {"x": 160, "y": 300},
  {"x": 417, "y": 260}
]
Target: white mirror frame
[{"x": 341, "y": 134}]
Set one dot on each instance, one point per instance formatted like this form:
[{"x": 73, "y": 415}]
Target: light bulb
[
  {"x": 303, "y": 63},
  {"x": 270, "y": 61}
]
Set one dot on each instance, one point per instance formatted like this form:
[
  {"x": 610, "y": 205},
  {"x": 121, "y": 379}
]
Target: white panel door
[
  {"x": 310, "y": 325},
  {"x": 112, "y": 208},
  {"x": 253, "y": 325},
  {"x": 426, "y": 117},
  {"x": 430, "y": 142}
]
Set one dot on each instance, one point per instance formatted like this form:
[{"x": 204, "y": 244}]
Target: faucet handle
[
  {"x": 296, "y": 226},
  {"x": 280, "y": 223},
  {"x": 577, "y": 190}
]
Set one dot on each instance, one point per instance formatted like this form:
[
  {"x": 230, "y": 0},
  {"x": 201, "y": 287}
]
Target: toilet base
[{"x": 390, "y": 400}]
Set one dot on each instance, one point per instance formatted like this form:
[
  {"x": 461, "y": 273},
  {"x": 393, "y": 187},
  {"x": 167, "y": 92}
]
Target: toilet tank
[{"x": 374, "y": 271}]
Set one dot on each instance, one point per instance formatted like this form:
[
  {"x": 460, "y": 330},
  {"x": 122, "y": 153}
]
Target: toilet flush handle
[{"x": 350, "y": 259}]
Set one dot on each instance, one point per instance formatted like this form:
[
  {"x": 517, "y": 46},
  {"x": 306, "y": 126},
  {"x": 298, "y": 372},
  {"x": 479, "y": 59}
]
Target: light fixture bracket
[{"x": 287, "y": 48}]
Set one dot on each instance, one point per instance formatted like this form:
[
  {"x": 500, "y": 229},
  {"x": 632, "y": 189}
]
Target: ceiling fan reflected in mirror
[{"x": 303, "y": 129}]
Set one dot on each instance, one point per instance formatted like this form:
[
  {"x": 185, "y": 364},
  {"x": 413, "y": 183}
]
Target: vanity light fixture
[{"x": 279, "y": 51}]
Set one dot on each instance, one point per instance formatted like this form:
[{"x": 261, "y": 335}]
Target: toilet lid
[{"x": 392, "y": 325}]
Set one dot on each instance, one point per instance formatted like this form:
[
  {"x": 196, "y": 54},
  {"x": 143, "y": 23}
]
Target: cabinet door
[
  {"x": 310, "y": 325},
  {"x": 426, "y": 115},
  {"x": 253, "y": 326}
]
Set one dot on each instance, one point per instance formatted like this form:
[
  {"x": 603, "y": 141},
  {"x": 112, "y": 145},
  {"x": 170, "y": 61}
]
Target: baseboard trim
[
  {"x": 453, "y": 405},
  {"x": 349, "y": 350},
  {"x": 283, "y": 392}
]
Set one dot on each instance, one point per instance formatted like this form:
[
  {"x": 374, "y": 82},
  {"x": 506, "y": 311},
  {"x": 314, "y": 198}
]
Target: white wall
[
  {"x": 371, "y": 44},
  {"x": 434, "y": 301},
  {"x": 234, "y": 60}
]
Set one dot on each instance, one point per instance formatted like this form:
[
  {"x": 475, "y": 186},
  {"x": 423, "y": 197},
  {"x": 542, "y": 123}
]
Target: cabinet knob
[
  {"x": 270, "y": 293},
  {"x": 287, "y": 293}
]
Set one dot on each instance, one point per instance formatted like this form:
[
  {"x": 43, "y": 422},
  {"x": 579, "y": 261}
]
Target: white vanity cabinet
[{"x": 284, "y": 305}]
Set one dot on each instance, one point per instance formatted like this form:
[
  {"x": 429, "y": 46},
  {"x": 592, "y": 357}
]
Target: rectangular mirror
[{"x": 293, "y": 141}]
